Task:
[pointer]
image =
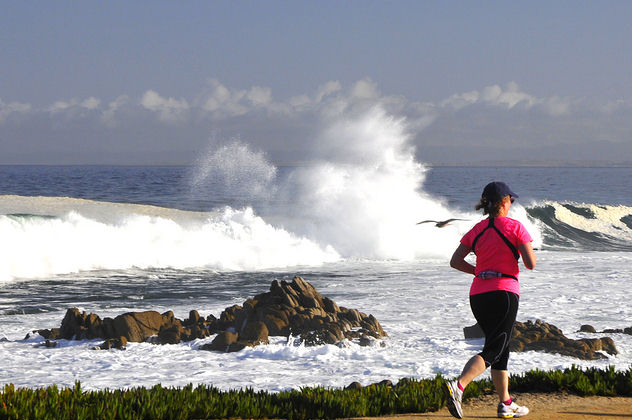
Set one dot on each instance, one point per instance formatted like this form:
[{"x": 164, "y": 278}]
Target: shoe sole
[
  {"x": 511, "y": 416},
  {"x": 450, "y": 403}
]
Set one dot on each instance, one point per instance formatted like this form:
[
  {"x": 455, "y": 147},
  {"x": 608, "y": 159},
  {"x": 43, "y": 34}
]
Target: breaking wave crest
[
  {"x": 586, "y": 226},
  {"x": 37, "y": 246}
]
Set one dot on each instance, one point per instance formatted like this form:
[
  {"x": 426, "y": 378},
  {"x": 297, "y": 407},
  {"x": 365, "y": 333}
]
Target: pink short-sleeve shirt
[{"x": 492, "y": 253}]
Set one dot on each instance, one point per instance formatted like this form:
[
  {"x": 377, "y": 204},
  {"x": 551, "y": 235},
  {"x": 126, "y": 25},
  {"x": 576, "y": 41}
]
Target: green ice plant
[{"x": 206, "y": 402}]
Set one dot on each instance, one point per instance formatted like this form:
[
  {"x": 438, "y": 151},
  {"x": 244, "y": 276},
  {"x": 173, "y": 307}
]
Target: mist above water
[{"x": 361, "y": 191}]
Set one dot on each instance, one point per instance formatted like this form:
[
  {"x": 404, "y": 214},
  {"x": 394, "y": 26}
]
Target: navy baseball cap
[{"x": 495, "y": 191}]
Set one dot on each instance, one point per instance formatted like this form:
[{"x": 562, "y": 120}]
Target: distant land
[
  {"x": 538, "y": 163},
  {"x": 505, "y": 163}
]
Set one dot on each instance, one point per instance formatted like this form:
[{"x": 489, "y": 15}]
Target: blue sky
[{"x": 155, "y": 82}]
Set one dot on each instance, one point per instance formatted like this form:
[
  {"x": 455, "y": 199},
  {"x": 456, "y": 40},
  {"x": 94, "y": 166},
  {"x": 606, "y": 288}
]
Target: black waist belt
[{"x": 490, "y": 274}]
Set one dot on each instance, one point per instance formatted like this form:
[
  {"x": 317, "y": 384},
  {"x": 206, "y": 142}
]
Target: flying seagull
[{"x": 439, "y": 224}]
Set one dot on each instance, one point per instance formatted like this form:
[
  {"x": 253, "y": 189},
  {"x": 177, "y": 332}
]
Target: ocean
[{"x": 211, "y": 234}]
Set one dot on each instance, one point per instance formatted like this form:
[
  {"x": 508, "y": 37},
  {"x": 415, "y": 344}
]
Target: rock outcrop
[
  {"x": 541, "y": 336},
  {"x": 112, "y": 343},
  {"x": 132, "y": 327},
  {"x": 293, "y": 309},
  {"x": 591, "y": 329}
]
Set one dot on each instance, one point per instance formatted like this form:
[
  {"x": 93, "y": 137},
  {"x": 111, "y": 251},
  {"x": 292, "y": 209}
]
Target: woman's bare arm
[
  {"x": 528, "y": 256},
  {"x": 458, "y": 260}
]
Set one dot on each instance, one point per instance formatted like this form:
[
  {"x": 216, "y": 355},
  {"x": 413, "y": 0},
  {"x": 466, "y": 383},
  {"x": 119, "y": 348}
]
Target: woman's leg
[
  {"x": 474, "y": 367},
  {"x": 500, "y": 378},
  {"x": 495, "y": 313}
]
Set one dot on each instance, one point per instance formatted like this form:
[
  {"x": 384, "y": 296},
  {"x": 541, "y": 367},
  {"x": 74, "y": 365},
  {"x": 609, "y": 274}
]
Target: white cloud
[
  {"x": 300, "y": 101},
  {"x": 260, "y": 96},
  {"x": 509, "y": 97},
  {"x": 75, "y": 106},
  {"x": 91, "y": 103},
  {"x": 614, "y": 106},
  {"x": 557, "y": 106},
  {"x": 365, "y": 89},
  {"x": 221, "y": 102},
  {"x": 60, "y": 106},
  {"x": 460, "y": 100},
  {"x": 327, "y": 89},
  {"x": 496, "y": 116},
  {"x": 168, "y": 109},
  {"x": 109, "y": 115},
  {"x": 7, "y": 109}
]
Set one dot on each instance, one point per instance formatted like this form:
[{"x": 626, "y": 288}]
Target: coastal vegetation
[{"x": 207, "y": 402}]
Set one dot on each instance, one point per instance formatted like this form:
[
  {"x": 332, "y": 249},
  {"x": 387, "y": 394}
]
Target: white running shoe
[
  {"x": 512, "y": 410},
  {"x": 454, "y": 396}
]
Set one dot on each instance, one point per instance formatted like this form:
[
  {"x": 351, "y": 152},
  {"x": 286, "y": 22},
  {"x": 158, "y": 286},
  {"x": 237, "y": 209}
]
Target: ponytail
[{"x": 489, "y": 207}]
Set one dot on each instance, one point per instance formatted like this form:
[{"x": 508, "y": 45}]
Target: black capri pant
[{"x": 496, "y": 313}]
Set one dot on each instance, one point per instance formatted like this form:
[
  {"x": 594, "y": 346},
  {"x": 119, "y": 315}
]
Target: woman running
[{"x": 498, "y": 243}]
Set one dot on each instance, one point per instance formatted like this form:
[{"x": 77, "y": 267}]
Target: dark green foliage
[
  {"x": 591, "y": 381},
  {"x": 206, "y": 402}
]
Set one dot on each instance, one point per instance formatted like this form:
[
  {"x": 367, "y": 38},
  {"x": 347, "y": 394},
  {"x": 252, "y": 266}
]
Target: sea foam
[{"x": 228, "y": 240}]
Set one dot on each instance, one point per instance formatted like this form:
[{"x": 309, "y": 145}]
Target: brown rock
[
  {"x": 587, "y": 329},
  {"x": 139, "y": 326},
  {"x": 330, "y": 305},
  {"x": 171, "y": 333},
  {"x": 618, "y": 331},
  {"x": 71, "y": 324},
  {"x": 289, "y": 300},
  {"x": 336, "y": 332},
  {"x": 366, "y": 340},
  {"x": 195, "y": 332},
  {"x": 254, "y": 333},
  {"x": 108, "y": 328},
  {"x": 352, "y": 315},
  {"x": 294, "y": 308},
  {"x": 386, "y": 382},
  {"x": 541, "y": 336},
  {"x": 315, "y": 312},
  {"x": 275, "y": 318},
  {"x": 51, "y": 334},
  {"x": 354, "y": 385},
  {"x": 194, "y": 318},
  {"x": 309, "y": 302},
  {"x": 112, "y": 343},
  {"x": 222, "y": 342},
  {"x": 233, "y": 316},
  {"x": 605, "y": 344}
]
